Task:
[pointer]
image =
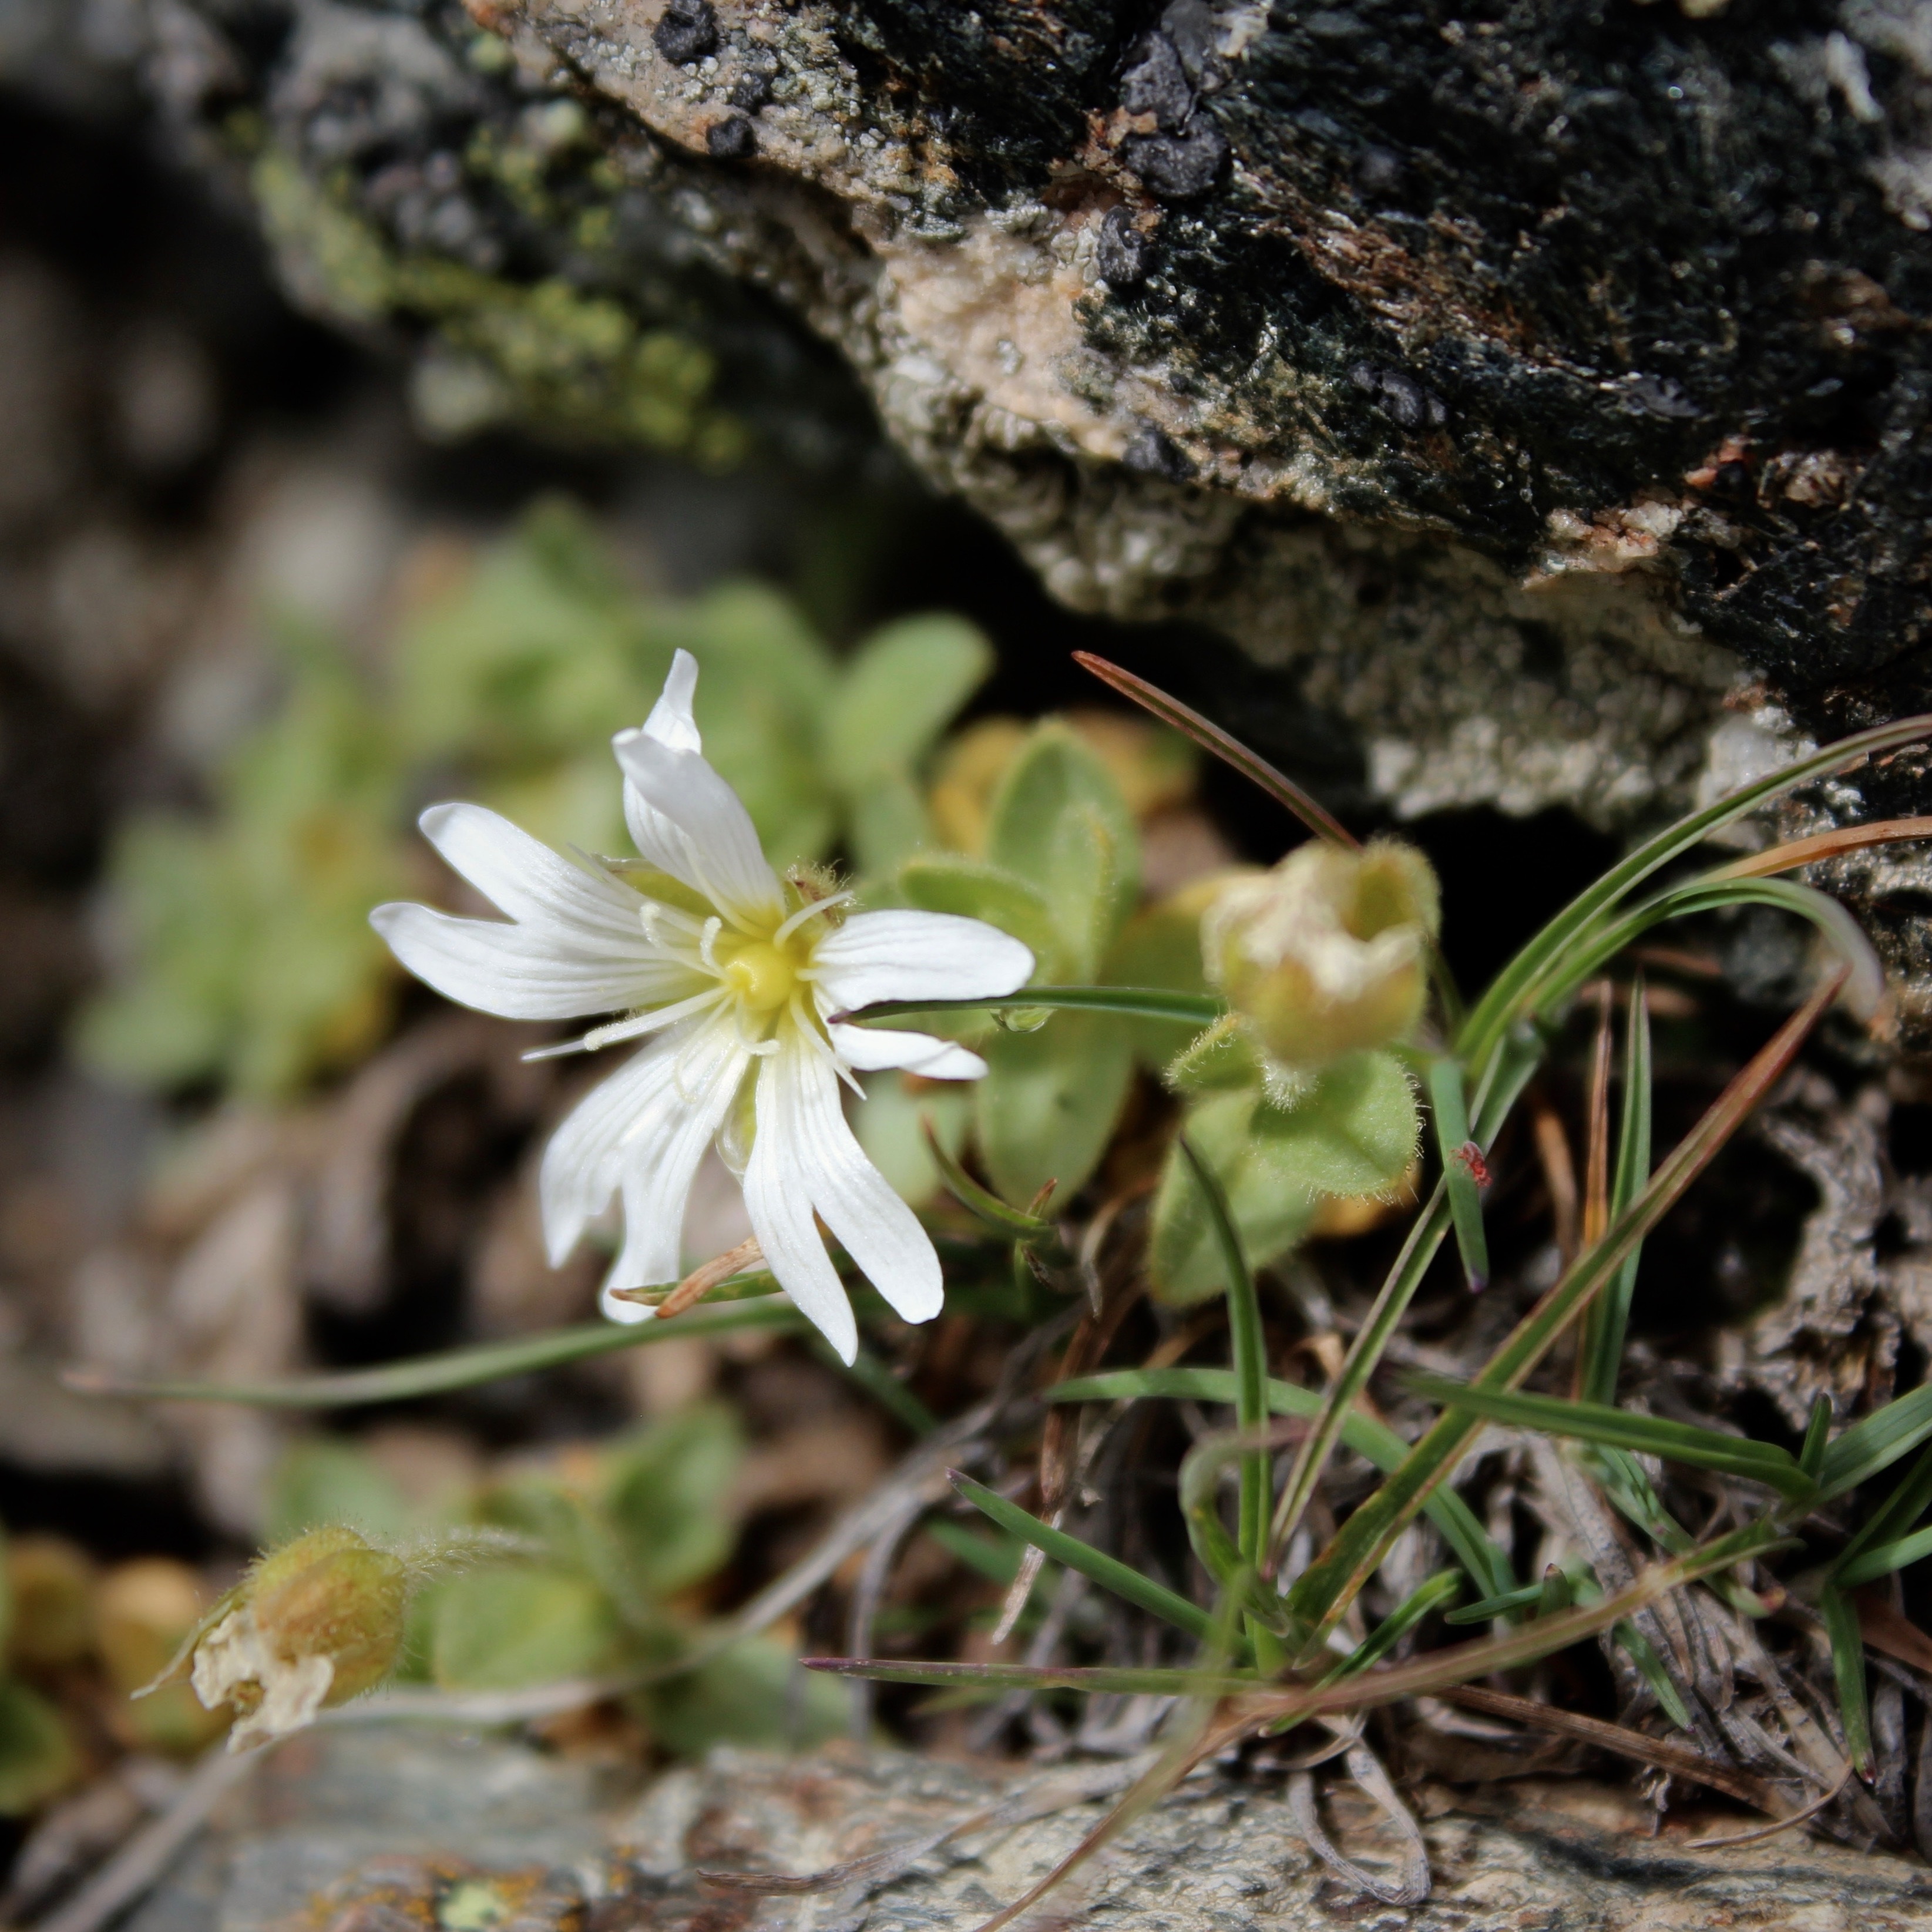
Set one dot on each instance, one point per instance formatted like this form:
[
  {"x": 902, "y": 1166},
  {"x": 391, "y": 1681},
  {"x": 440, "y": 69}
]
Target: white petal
[
  {"x": 918, "y": 956},
  {"x": 525, "y": 878},
  {"x": 871, "y": 1048},
  {"x": 542, "y": 971},
  {"x": 692, "y": 824},
  {"x": 660, "y": 1161},
  {"x": 670, "y": 721},
  {"x": 584, "y": 1161},
  {"x": 858, "y": 1204},
  {"x": 779, "y": 1203}
]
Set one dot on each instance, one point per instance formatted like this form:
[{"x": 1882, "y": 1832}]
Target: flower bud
[
  {"x": 1329, "y": 953},
  {"x": 316, "y": 1623}
]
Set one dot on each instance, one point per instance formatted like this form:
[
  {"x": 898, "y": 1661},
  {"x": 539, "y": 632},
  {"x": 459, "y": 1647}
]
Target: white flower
[{"x": 735, "y": 978}]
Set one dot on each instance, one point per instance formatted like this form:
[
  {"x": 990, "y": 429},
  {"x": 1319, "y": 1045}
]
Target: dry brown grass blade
[
  {"x": 1559, "y": 1174},
  {"x": 1783, "y": 1824},
  {"x": 701, "y": 1280},
  {"x": 1887, "y": 1630},
  {"x": 1229, "y": 749},
  {"x": 1798, "y": 852},
  {"x": 1597, "y": 1154},
  {"x": 1689, "y": 1764}
]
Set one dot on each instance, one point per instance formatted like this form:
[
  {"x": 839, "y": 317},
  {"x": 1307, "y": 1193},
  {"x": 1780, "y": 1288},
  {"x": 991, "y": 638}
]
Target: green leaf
[
  {"x": 1059, "y": 821},
  {"x": 498, "y": 1628},
  {"x": 666, "y": 1493},
  {"x": 1647, "y": 1435},
  {"x": 1153, "y": 1680},
  {"x": 755, "y": 1695},
  {"x": 324, "y": 1480},
  {"x": 996, "y": 1559},
  {"x": 1222, "y": 1059},
  {"x": 889, "y": 1124},
  {"x": 1643, "y": 1653},
  {"x": 1501, "y": 1605},
  {"x": 1466, "y": 1199},
  {"x": 1046, "y": 1109},
  {"x": 1354, "y": 1132},
  {"x": 38, "y": 1757},
  {"x": 942, "y": 883},
  {"x": 899, "y": 690},
  {"x": 1014, "y": 1224},
  {"x": 1160, "y": 946},
  {"x": 1109, "y": 1572},
  {"x": 886, "y": 824},
  {"x": 1374, "y": 1440},
  {"x": 1882, "y": 1559},
  {"x": 1848, "y": 1668},
  {"x": 1908, "y": 1502}
]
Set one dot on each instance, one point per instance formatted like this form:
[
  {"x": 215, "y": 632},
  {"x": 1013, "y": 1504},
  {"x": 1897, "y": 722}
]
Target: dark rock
[
  {"x": 1178, "y": 167},
  {"x": 1151, "y": 452},
  {"x": 1120, "y": 251},
  {"x": 1189, "y": 25},
  {"x": 1155, "y": 83},
  {"x": 1400, "y": 397},
  {"x": 753, "y": 87},
  {"x": 731, "y": 139},
  {"x": 688, "y": 32}
]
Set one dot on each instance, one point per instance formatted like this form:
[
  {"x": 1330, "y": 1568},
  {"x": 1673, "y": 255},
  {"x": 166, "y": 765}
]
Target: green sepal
[{"x": 1222, "y": 1060}]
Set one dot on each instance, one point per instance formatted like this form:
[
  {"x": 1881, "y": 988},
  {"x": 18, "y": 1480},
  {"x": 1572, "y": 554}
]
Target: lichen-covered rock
[
  {"x": 1520, "y": 384},
  {"x": 394, "y": 1828}
]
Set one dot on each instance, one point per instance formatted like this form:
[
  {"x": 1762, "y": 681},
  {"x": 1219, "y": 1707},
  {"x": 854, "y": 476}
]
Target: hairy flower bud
[
  {"x": 315, "y": 1623},
  {"x": 1329, "y": 953}
]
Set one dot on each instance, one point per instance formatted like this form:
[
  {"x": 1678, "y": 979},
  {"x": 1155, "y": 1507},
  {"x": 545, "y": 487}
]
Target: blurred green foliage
[
  {"x": 244, "y": 954},
  {"x": 38, "y": 1756},
  {"x": 620, "y": 1543}
]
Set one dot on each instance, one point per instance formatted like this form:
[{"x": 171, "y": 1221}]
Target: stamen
[
  {"x": 704, "y": 885},
  {"x": 631, "y": 1028},
  {"x": 822, "y": 1045},
  {"x": 810, "y": 911},
  {"x": 707, "y": 946}
]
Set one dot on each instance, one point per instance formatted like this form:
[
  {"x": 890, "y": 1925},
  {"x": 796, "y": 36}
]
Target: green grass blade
[
  {"x": 1323, "y": 1592},
  {"x": 1016, "y": 1224},
  {"x": 1882, "y": 1559},
  {"x": 1625, "y": 1481},
  {"x": 1875, "y": 1443},
  {"x": 1448, "y": 1108},
  {"x": 454, "y": 1368},
  {"x": 1124, "y": 1680},
  {"x": 1096, "y": 1565},
  {"x": 1909, "y": 1500},
  {"x": 1643, "y": 1653},
  {"x": 1508, "y": 1074},
  {"x": 1247, "y": 1344},
  {"x": 1484, "y": 1031},
  {"x": 1817, "y": 1434},
  {"x": 1375, "y": 1441},
  {"x": 1438, "y": 1593},
  {"x": 1491, "y": 1607},
  {"x": 1848, "y": 1667},
  {"x": 1556, "y": 1593},
  {"x": 1147, "y": 1002},
  {"x": 1620, "y": 1429},
  {"x": 1608, "y": 1320}
]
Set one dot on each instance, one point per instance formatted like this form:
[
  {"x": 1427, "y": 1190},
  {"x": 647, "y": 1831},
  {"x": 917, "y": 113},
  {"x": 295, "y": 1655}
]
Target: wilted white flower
[
  {"x": 734, "y": 977},
  {"x": 1329, "y": 953}
]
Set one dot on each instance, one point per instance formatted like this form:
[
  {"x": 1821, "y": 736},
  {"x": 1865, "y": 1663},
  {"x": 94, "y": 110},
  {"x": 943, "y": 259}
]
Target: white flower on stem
[{"x": 733, "y": 979}]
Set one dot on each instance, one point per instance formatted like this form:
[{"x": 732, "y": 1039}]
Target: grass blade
[
  {"x": 1881, "y": 1560},
  {"x": 454, "y": 1368},
  {"x": 1826, "y": 845},
  {"x": 1484, "y": 1030},
  {"x": 1375, "y": 1441},
  {"x": 1014, "y": 1223},
  {"x": 1099, "y": 1677},
  {"x": 1848, "y": 1667},
  {"x": 1817, "y": 1434},
  {"x": 1450, "y": 1111},
  {"x": 1643, "y": 1653},
  {"x": 1438, "y": 1593},
  {"x": 1248, "y": 1345},
  {"x": 1324, "y": 1591},
  {"x": 1147, "y": 1002},
  {"x": 1491, "y": 1607},
  {"x": 1209, "y": 737},
  {"x": 1608, "y": 1320},
  {"x": 1508, "y": 1074},
  {"x": 1621, "y": 1429},
  {"x": 1875, "y": 1443},
  {"x": 1900, "y": 1510},
  {"x": 1096, "y": 1565}
]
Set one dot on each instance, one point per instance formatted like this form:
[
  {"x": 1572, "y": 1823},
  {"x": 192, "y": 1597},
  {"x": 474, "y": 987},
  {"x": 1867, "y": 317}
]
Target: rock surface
[
  {"x": 380, "y": 1830},
  {"x": 1556, "y": 366}
]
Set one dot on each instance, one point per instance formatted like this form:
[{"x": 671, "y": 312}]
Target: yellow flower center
[{"x": 762, "y": 974}]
